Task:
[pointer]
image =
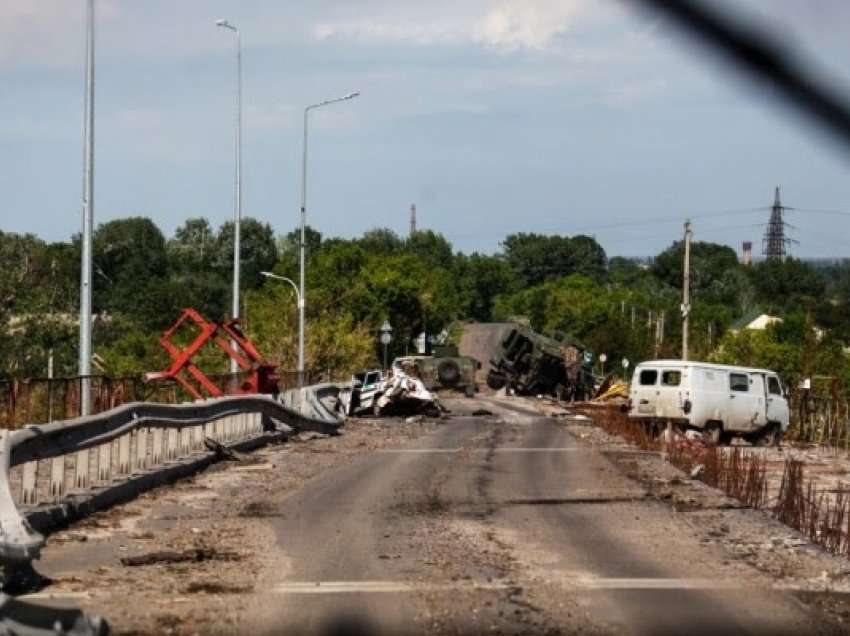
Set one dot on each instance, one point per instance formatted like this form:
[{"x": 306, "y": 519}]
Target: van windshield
[
  {"x": 648, "y": 377},
  {"x": 773, "y": 386},
  {"x": 671, "y": 378}
]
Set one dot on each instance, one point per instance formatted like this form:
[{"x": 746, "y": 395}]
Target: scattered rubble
[
  {"x": 195, "y": 555},
  {"x": 403, "y": 395}
]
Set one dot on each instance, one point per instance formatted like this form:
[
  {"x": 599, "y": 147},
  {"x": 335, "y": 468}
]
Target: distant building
[
  {"x": 755, "y": 320},
  {"x": 747, "y": 253}
]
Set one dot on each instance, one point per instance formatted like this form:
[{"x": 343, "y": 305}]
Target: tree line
[{"x": 419, "y": 283}]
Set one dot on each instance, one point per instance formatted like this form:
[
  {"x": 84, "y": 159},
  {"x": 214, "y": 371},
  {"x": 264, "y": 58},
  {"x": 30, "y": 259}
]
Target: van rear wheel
[{"x": 712, "y": 433}]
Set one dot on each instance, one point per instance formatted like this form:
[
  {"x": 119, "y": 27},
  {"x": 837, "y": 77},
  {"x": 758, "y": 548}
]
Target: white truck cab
[{"x": 721, "y": 400}]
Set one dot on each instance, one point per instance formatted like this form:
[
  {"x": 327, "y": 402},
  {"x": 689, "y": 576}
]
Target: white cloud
[
  {"x": 46, "y": 32},
  {"x": 533, "y": 25},
  {"x": 504, "y": 24}
]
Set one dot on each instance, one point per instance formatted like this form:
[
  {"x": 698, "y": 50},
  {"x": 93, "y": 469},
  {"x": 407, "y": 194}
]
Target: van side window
[
  {"x": 773, "y": 386},
  {"x": 671, "y": 378},
  {"x": 739, "y": 382},
  {"x": 648, "y": 377}
]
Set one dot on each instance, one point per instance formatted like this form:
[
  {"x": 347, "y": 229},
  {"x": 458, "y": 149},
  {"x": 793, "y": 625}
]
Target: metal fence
[{"x": 820, "y": 419}]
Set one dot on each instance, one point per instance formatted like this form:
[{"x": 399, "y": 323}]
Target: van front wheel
[{"x": 769, "y": 436}]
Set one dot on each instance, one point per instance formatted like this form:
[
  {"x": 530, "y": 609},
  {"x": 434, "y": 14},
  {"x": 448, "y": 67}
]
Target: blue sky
[{"x": 493, "y": 116}]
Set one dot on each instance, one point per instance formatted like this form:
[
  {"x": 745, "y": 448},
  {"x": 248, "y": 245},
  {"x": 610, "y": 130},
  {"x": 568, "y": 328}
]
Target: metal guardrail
[
  {"x": 43, "y": 400},
  {"x": 53, "y": 473}
]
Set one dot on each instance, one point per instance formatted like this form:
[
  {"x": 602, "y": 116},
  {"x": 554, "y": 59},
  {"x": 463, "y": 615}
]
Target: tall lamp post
[
  {"x": 297, "y": 296},
  {"x": 237, "y": 223},
  {"x": 88, "y": 221},
  {"x": 302, "y": 296},
  {"x": 386, "y": 338}
]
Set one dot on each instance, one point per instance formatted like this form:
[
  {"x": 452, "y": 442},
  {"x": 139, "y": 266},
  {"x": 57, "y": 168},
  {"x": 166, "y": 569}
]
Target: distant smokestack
[
  {"x": 412, "y": 218},
  {"x": 747, "y": 253}
]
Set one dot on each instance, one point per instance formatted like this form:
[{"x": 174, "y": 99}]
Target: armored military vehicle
[
  {"x": 446, "y": 369},
  {"x": 532, "y": 364}
]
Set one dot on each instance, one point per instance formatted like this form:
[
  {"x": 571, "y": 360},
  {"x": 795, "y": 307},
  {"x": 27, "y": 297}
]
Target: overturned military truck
[{"x": 532, "y": 364}]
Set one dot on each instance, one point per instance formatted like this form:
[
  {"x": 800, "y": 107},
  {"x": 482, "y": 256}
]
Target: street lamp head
[
  {"x": 352, "y": 95},
  {"x": 266, "y": 274},
  {"x": 225, "y": 24}
]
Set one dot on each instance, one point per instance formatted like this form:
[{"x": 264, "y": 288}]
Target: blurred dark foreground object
[
  {"x": 20, "y": 618},
  {"x": 759, "y": 54}
]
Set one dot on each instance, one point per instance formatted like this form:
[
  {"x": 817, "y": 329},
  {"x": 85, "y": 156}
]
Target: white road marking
[
  {"x": 54, "y": 595},
  {"x": 601, "y": 583},
  {"x": 381, "y": 587},
  {"x": 553, "y": 449},
  {"x": 482, "y": 450},
  {"x": 420, "y": 450},
  {"x": 589, "y": 583}
]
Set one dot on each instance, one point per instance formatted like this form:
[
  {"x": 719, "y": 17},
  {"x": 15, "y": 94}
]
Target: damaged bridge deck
[{"x": 504, "y": 523}]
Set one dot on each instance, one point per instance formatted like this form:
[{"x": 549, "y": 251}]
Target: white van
[{"x": 721, "y": 400}]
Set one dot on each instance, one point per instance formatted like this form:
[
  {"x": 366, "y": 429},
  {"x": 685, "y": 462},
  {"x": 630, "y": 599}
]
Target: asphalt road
[{"x": 506, "y": 525}]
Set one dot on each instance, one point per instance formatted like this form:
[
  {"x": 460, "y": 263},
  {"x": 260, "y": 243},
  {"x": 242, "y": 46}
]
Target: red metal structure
[{"x": 259, "y": 375}]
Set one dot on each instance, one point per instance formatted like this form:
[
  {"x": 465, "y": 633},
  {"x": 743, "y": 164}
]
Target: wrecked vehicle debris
[
  {"x": 446, "y": 369},
  {"x": 406, "y": 395},
  {"x": 532, "y": 364},
  {"x": 366, "y": 385}
]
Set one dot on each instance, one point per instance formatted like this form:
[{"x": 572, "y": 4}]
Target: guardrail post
[
  {"x": 171, "y": 437},
  {"x": 124, "y": 454},
  {"x": 141, "y": 456},
  {"x": 57, "y": 477},
  {"x": 156, "y": 448},
  {"x": 29, "y": 485},
  {"x": 104, "y": 461},
  {"x": 81, "y": 470},
  {"x": 186, "y": 440}
]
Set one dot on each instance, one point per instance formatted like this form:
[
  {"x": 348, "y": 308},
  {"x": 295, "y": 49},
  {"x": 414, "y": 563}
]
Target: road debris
[
  {"x": 406, "y": 395},
  {"x": 195, "y": 555}
]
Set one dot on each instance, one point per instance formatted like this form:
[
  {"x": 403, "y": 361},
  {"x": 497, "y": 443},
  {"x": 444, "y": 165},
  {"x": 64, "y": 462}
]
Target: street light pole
[
  {"x": 286, "y": 280},
  {"x": 686, "y": 290},
  {"x": 302, "y": 293},
  {"x": 237, "y": 224},
  {"x": 88, "y": 221}
]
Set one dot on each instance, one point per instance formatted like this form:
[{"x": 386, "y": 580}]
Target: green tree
[
  {"x": 786, "y": 284},
  {"x": 536, "y": 258},
  {"x": 432, "y": 248},
  {"x": 258, "y": 250},
  {"x": 480, "y": 280},
  {"x": 381, "y": 241},
  {"x": 710, "y": 262}
]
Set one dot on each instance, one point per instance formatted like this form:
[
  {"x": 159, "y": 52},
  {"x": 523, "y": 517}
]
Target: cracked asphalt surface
[{"x": 503, "y": 524}]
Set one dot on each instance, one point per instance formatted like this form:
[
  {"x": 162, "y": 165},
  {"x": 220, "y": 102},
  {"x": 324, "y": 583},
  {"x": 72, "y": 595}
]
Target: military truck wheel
[
  {"x": 496, "y": 380},
  {"x": 469, "y": 391},
  {"x": 448, "y": 372}
]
